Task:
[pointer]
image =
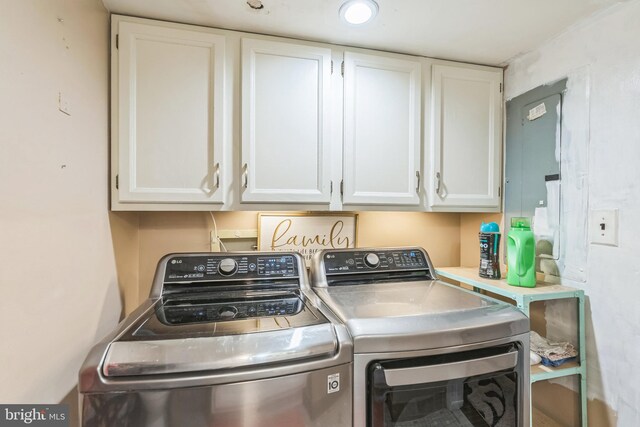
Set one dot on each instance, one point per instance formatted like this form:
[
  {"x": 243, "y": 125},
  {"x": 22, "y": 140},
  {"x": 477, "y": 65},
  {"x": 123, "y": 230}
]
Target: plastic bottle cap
[
  {"x": 521, "y": 223},
  {"x": 491, "y": 227}
]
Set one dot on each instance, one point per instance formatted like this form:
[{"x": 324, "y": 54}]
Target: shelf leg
[
  {"x": 523, "y": 305},
  {"x": 583, "y": 359},
  {"x": 583, "y": 400}
]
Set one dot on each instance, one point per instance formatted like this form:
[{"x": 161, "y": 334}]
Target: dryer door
[{"x": 475, "y": 388}]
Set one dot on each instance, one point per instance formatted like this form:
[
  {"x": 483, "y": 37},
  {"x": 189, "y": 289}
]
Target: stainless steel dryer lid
[
  {"x": 402, "y": 316},
  {"x": 390, "y": 300}
]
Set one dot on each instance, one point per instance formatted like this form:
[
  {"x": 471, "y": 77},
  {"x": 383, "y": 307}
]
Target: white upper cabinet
[
  {"x": 466, "y": 138},
  {"x": 382, "y": 113},
  {"x": 208, "y": 119},
  {"x": 168, "y": 91},
  {"x": 285, "y": 122}
]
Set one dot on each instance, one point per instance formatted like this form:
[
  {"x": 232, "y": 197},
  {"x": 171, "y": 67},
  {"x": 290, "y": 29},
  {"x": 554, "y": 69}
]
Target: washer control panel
[
  {"x": 181, "y": 268},
  {"x": 177, "y": 314},
  {"x": 363, "y": 261}
]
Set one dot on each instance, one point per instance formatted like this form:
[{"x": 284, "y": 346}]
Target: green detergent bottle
[{"x": 521, "y": 254}]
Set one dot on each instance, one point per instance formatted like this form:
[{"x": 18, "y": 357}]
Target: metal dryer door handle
[{"x": 450, "y": 371}]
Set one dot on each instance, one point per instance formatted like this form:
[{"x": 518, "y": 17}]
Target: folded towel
[
  {"x": 555, "y": 352},
  {"x": 555, "y": 363},
  {"x": 534, "y": 358}
]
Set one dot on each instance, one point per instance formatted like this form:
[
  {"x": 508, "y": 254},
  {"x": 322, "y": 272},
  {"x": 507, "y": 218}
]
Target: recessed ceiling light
[{"x": 358, "y": 12}]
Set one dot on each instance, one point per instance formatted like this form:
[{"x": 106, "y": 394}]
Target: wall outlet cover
[{"x": 603, "y": 227}]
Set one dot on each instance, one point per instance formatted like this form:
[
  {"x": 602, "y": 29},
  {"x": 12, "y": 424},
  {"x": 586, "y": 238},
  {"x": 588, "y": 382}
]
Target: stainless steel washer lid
[
  {"x": 200, "y": 327},
  {"x": 168, "y": 341},
  {"x": 129, "y": 358},
  {"x": 402, "y": 316}
]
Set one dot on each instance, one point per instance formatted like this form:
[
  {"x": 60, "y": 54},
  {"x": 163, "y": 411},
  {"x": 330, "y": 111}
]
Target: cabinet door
[
  {"x": 382, "y": 103},
  {"x": 466, "y": 139},
  {"x": 285, "y": 122},
  {"x": 170, "y": 116}
]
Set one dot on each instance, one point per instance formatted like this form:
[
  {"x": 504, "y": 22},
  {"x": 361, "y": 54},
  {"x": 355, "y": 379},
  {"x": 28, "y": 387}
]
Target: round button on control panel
[
  {"x": 227, "y": 313},
  {"x": 371, "y": 260},
  {"x": 227, "y": 267}
]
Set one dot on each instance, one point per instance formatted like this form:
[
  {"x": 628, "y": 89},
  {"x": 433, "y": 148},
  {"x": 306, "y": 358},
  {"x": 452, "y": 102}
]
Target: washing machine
[{"x": 224, "y": 339}]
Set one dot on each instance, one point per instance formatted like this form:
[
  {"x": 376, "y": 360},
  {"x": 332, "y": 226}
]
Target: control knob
[
  {"x": 371, "y": 260},
  {"x": 227, "y": 267},
  {"x": 227, "y": 313}
]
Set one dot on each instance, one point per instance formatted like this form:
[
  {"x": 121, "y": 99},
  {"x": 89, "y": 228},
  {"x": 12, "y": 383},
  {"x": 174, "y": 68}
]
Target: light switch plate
[{"x": 603, "y": 227}]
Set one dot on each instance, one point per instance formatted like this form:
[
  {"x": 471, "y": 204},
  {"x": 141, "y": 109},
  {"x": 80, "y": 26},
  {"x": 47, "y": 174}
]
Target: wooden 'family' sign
[{"x": 306, "y": 233}]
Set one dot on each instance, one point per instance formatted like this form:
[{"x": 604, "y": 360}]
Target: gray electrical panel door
[{"x": 532, "y": 168}]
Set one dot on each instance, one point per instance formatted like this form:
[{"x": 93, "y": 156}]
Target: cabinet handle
[
  {"x": 418, "y": 181},
  {"x": 438, "y": 183},
  {"x": 217, "y": 167},
  {"x": 245, "y": 176}
]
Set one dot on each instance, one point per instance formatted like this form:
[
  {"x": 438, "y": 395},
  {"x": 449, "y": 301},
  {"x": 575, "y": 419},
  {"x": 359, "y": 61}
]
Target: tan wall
[
  {"x": 438, "y": 233},
  {"x": 126, "y": 247},
  {"x": 164, "y": 232},
  {"x": 450, "y": 239},
  {"x": 58, "y": 273}
]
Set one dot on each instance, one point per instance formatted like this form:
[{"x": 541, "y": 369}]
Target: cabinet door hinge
[
  {"x": 342, "y": 69},
  {"x": 330, "y": 188},
  {"x": 332, "y": 66},
  {"x": 117, "y": 41},
  {"x": 500, "y": 87},
  {"x": 499, "y": 191},
  {"x": 342, "y": 188},
  {"x": 117, "y": 182}
]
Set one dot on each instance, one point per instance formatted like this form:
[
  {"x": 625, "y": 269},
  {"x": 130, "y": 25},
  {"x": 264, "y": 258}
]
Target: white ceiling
[{"x": 480, "y": 31}]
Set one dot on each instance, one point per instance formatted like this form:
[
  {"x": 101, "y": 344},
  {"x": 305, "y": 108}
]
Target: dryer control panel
[{"x": 372, "y": 260}]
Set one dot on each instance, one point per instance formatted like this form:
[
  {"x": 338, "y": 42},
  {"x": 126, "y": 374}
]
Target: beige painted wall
[
  {"x": 164, "y": 232},
  {"x": 126, "y": 247},
  {"x": 57, "y": 265}
]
